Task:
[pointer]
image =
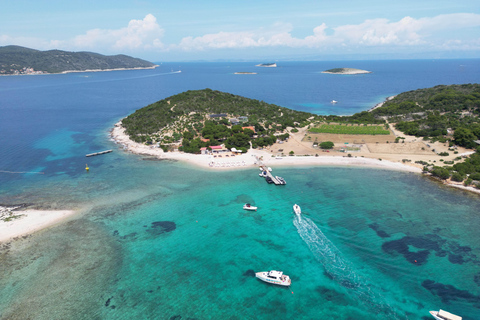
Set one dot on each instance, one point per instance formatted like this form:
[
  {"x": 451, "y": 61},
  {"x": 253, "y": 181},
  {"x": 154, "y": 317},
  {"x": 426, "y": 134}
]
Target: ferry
[
  {"x": 274, "y": 277},
  {"x": 444, "y": 315},
  {"x": 249, "y": 207}
]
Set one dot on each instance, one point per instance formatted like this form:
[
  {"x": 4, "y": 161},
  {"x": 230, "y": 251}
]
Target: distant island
[
  {"x": 346, "y": 71},
  {"x": 268, "y": 65},
  {"x": 16, "y": 60}
]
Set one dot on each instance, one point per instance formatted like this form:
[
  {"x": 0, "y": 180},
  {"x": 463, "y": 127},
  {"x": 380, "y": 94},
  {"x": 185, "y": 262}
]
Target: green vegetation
[
  {"x": 16, "y": 59},
  {"x": 349, "y": 129},
  {"x": 326, "y": 145},
  {"x": 432, "y": 112},
  {"x": 186, "y": 115}
]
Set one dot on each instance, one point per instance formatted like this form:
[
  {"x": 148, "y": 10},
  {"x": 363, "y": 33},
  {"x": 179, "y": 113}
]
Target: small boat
[
  {"x": 274, "y": 277},
  {"x": 444, "y": 315},
  {"x": 333, "y": 101},
  {"x": 249, "y": 207},
  {"x": 297, "y": 210},
  {"x": 263, "y": 174},
  {"x": 268, "y": 179},
  {"x": 281, "y": 180}
]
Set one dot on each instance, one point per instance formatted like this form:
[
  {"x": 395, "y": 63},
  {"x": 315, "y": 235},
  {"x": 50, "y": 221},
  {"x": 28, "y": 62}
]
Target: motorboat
[
  {"x": 281, "y": 180},
  {"x": 248, "y": 206},
  {"x": 297, "y": 210},
  {"x": 263, "y": 174},
  {"x": 274, "y": 277},
  {"x": 333, "y": 101},
  {"x": 444, "y": 315},
  {"x": 268, "y": 179}
]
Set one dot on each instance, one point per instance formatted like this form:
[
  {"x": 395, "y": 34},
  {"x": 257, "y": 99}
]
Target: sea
[{"x": 166, "y": 240}]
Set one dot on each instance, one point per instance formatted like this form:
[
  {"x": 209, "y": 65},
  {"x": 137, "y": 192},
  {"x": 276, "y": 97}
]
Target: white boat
[
  {"x": 444, "y": 315},
  {"x": 281, "y": 180},
  {"x": 248, "y": 206},
  {"x": 263, "y": 174},
  {"x": 333, "y": 101},
  {"x": 297, "y": 210},
  {"x": 274, "y": 277}
]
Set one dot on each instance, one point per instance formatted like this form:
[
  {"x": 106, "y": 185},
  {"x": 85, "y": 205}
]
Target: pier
[
  {"x": 270, "y": 176},
  {"x": 98, "y": 153}
]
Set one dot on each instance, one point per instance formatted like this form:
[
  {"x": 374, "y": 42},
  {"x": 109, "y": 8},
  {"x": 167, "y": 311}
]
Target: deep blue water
[{"x": 158, "y": 239}]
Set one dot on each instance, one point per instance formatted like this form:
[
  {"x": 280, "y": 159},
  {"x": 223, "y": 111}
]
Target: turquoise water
[{"x": 163, "y": 240}]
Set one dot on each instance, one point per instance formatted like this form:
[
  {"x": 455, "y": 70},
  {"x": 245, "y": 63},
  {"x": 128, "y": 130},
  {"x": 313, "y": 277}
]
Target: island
[
  {"x": 267, "y": 65},
  {"x": 16, "y": 60},
  {"x": 435, "y": 131},
  {"x": 346, "y": 71}
]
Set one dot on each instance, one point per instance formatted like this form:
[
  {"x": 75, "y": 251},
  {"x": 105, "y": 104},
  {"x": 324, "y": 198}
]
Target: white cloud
[
  {"x": 375, "y": 32},
  {"x": 139, "y": 34}
]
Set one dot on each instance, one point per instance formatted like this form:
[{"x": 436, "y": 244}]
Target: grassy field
[{"x": 350, "y": 129}]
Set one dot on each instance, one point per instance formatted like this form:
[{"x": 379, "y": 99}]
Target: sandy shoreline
[
  {"x": 25, "y": 222},
  {"x": 251, "y": 159},
  {"x": 80, "y": 71}
]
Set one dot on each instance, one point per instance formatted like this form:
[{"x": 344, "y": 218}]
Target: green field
[{"x": 350, "y": 129}]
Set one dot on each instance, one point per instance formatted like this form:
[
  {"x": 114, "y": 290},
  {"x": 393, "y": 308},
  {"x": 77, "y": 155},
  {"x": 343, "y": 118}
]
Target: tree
[
  {"x": 464, "y": 137},
  {"x": 326, "y": 145}
]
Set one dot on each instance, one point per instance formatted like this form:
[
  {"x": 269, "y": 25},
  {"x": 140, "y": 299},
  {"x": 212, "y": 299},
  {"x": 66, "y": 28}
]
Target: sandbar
[{"x": 26, "y": 222}]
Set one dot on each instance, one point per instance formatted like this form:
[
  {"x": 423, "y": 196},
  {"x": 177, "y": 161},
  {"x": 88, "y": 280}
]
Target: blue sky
[{"x": 247, "y": 30}]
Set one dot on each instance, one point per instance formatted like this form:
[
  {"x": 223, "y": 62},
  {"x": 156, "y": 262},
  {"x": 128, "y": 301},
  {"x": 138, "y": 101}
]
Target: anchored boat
[
  {"x": 444, "y": 315},
  {"x": 248, "y": 206},
  {"x": 274, "y": 277}
]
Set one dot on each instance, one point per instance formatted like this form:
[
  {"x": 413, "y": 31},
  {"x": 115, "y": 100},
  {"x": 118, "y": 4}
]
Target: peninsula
[
  {"x": 429, "y": 130},
  {"x": 15, "y": 60},
  {"x": 346, "y": 71}
]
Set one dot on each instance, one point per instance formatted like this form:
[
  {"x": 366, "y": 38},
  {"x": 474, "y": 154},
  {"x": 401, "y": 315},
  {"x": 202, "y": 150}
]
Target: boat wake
[{"x": 337, "y": 268}]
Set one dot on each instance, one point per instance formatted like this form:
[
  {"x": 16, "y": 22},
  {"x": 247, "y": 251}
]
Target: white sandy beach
[
  {"x": 29, "y": 221},
  {"x": 251, "y": 159}
]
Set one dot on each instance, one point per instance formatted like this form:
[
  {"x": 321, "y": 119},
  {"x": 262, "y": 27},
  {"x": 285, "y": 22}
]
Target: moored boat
[
  {"x": 281, "y": 180},
  {"x": 274, "y": 277},
  {"x": 248, "y": 206},
  {"x": 444, "y": 315}
]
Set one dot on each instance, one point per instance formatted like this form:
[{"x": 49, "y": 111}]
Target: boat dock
[
  {"x": 98, "y": 153},
  {"x": 270, "y": 176}
]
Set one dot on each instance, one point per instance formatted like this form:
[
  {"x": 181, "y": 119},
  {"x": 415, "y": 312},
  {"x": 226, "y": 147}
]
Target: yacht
[
  {"x": 248, "y": 206},
  {"x": 274, "y": 277},
  {"x": 281, "y": 180},
  {"x": 444, "y": 315},
  {"x": 297, "y": 210}
]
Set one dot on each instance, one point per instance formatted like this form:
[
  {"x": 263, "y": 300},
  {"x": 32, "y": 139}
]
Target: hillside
[
  {"x": 433, "y": 112},
  {"x": 20, "y": 60},
  {"x": 208, "y": 114}
]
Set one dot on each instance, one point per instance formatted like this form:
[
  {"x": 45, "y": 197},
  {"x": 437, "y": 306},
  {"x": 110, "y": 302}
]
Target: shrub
[
  {"x": 326, "y": 145},
  {"x": 440, "y": 172},
  {"x": 475, "y": 176},
  {"x": 457, "y": 177},
  {"x": 444, "y": 154}
]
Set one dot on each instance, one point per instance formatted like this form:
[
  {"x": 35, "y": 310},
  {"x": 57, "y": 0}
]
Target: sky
[{"x": 247, "y": 30}]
